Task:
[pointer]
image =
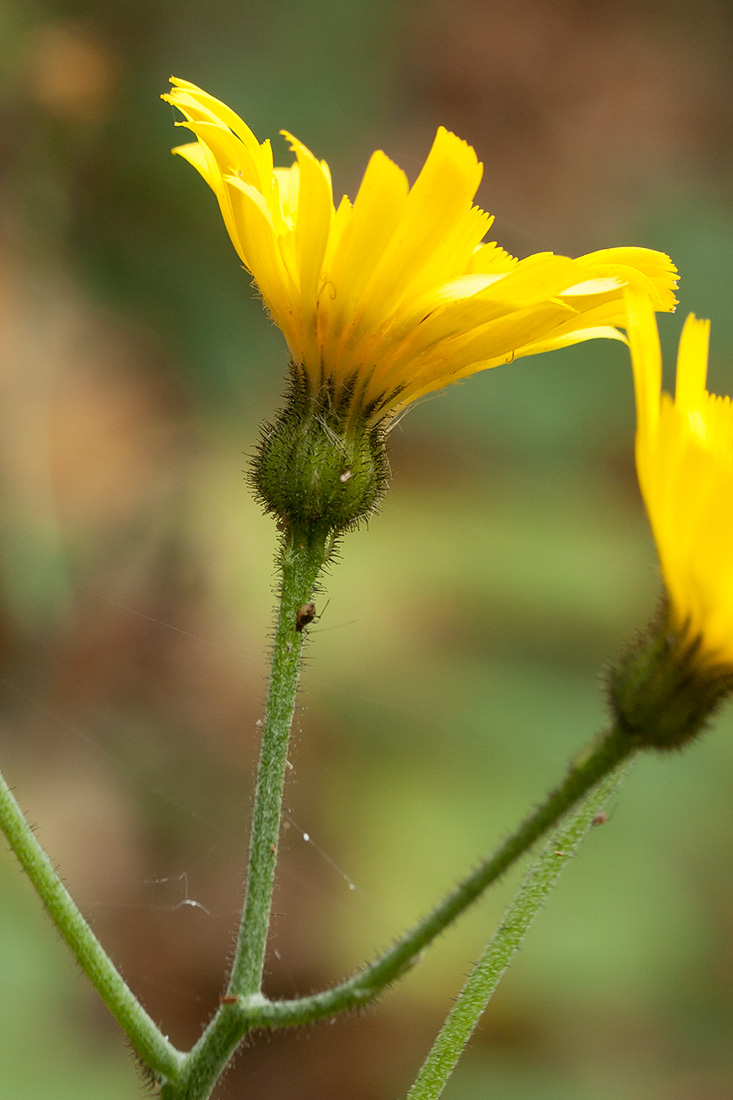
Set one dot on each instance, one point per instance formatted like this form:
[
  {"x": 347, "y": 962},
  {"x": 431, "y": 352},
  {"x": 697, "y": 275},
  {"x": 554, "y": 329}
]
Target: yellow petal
[{"x": 692, "y": 362}]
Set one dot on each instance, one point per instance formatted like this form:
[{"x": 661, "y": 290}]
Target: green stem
[
  {"x": 589, "y": 769},
  {"x": 488, "y": 971},
  {"x": 304, "y": 555},
  {"x": 234, "y": 1020},
  {"x": 148, "y": 1041}
]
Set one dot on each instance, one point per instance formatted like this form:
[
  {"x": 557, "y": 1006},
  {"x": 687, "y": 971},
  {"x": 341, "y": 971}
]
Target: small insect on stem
[{"x": 306, "y": 614}]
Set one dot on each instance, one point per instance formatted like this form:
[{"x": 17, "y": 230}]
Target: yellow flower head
[
  {"x": 684, "y": 459},
  {"x": 396, "y": 295}
]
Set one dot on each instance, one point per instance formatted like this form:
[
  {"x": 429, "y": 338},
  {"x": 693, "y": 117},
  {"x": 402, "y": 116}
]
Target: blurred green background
[{"x": 456, "y": 666}]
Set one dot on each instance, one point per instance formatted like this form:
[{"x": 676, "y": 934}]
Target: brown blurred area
[
  {"x": 135, "y": 572},
  {"x": 584, "y": 112}
]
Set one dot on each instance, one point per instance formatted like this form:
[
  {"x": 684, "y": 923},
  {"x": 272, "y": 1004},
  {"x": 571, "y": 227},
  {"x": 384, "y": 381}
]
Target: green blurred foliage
[{"x": 456, "y": 666}]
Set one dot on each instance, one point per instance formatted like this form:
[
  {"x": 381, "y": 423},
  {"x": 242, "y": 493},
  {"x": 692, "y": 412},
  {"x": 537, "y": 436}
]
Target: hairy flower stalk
[
  {"x": 672, "y": 680},
  {"x": 389, "y": 297}
]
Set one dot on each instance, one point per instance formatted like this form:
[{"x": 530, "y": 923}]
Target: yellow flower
[
  {"x": 395, "y": 295},
  {"x": 684, "y": 459}
]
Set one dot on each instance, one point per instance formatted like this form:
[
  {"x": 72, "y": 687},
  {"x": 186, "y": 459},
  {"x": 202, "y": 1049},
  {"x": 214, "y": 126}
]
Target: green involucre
[
  {"x": 318, "y": 468},
  {"x": 664, "y": 690}
]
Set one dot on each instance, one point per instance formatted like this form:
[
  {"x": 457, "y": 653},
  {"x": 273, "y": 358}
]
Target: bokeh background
[{"x": 457, "y": 664}]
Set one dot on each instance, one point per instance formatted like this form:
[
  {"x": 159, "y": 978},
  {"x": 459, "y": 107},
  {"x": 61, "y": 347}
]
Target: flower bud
[{"x": 316, "y": 469}]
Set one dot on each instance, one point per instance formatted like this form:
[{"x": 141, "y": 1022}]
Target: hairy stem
[
  {"x": 488, "y": 971},
  {"x": 303, "y": 556},
  {"x": 149, "y": 1042},
  {"x": 253, "y": 1011},
  {"x": 302, "y": 560},
  {"x": 585, "y": 773}
]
